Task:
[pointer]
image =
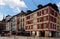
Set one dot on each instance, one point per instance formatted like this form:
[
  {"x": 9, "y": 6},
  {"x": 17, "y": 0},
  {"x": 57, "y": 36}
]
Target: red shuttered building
[{"x": 44, "y": 21}]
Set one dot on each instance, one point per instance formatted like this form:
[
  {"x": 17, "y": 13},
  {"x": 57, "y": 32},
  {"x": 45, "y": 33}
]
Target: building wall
[
  {"x": 43, "y": 20},
  {"x": 14, "y": 23},
  {"x": 7, "y": 26},
  {"x": 58, "y": 25},
  {"x": 21, "y": 21}
]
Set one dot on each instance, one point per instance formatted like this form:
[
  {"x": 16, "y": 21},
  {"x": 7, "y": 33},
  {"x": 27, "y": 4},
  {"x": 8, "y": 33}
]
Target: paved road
[{"x": 22, "y": 37}]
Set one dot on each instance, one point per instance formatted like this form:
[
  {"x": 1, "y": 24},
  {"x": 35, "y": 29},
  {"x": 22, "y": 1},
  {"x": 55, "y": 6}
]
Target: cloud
[
  {"x": 1, "y": 16},
  {"x": 17, "y": 9},
  {"x": 2, "y": 2},
  {"x": 58, "y": 4},
  {"x": 15, "y": 5}
]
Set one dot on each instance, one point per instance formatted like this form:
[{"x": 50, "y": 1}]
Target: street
[{"x": 23, "y": 37}]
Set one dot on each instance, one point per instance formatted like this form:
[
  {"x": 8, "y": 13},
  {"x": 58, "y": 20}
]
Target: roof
[{"x": 54, "y": 6}]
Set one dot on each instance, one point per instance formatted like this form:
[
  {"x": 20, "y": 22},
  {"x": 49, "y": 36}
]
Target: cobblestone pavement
[{"x": 22, "y": 37}]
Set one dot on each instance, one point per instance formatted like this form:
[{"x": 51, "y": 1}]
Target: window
[
  {"x": 23, "y": 19},
  {"x": 55, "y": 26},
  {"x": 31, "y": 26},
  {"x": 39, "y": 19},
  {"x": 52, "y": 12},
  {"x": 31, "y": 21},
  {"x": 45, "y": 19},
  {"x": 50, "y": 26},
  {"x": 26, "y": 27},
  {"x": 31, "y": 16},
  {"x": 23, "y": 23},
  {"x": 39, "y": 26},
  {"x": 28, "y": 17},
  {"x": 44, "y": 11},
  {"x": 45, "y": 25},
  {"x": 39, "y": 13},
  {"x": 28, "y": 22},
  {"x": 55, "y": 14}
]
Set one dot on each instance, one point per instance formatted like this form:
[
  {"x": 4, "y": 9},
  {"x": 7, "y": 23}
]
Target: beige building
[
  {"x": 7, "y": 22},
  {"x": 58, "y": 24}
]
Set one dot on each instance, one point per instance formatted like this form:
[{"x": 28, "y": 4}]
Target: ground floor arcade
[{"x": 43, "y": 33}]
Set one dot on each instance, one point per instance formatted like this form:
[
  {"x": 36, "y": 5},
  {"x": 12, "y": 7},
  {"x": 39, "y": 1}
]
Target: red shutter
[
  {"x": 53, "y": 26},
  {"x": 42, "y": 12},
  {"x": 42, "y": 18},
  {"x": 47, "y": 17},
  {"x": 46, "y": 10},
  {"x": 29, "y": 27},
  {"x": 28, "y": 17},
  {"x": 47, "y": 25},
  {"x": 50, "y": 25},
  {"x": 42, "y": 26}
]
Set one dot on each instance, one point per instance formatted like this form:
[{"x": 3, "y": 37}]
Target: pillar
[
  {"x": 37, "y": 33},
  {"x": 33, "y": 33},
  {"x": 46, "y": 33}
]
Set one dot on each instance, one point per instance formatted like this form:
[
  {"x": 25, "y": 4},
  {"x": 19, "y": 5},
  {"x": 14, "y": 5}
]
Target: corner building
[{"x": 42, "y": 21}]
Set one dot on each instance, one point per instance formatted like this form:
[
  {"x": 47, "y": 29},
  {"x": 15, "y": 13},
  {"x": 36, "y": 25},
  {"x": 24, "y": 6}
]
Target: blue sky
[{"x": 13, "y": 7}]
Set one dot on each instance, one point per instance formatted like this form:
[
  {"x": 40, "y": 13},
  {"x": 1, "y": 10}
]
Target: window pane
[
  {"x": 44, "y": 25},
  {"x": 45, "y": 19},
  {"x": 39, "y": 13},
  {"x": 39, "y": 26}
]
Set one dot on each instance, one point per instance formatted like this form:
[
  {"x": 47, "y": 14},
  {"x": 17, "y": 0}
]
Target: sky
[{"x": 13, "y": 7}]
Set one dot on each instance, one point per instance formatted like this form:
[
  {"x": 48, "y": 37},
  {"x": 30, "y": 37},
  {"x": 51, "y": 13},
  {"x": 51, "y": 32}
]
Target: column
[
  {"x": 46, "y": 33},
  {"x": 33, "y": 33},
  {"x": 37, "y": 33}
]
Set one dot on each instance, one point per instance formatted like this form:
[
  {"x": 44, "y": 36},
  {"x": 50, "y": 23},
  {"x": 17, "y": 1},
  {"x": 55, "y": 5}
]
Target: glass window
[
  {"x": 31, "y": 21},
  {"x": 31, "y": 16},
  {"x": 45, "y": 19},
  {"x": 23, "y": 19},
  {"x": 43, "y": 12},
  {"x": 52, "y": 12},
  {"x": 39, "y": 19},
  {"x": 44, "y": 25},
  {"x": 39, "y": 26},
  {"x": 28, "y": 17},
  {"x": 31, "y": 26},
  {"x": 23, "y": 23},
  {"x": 39, "y": 13}
]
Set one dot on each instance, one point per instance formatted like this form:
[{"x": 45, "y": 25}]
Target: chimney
[{"x": 39, "y": 6}]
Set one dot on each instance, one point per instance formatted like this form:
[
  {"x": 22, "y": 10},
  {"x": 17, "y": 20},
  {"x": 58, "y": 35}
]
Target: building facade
[
  {"x": 58, "y": 25},
  {"x": 42, "y": 22},
  {"x": 21, "y": 20}
]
